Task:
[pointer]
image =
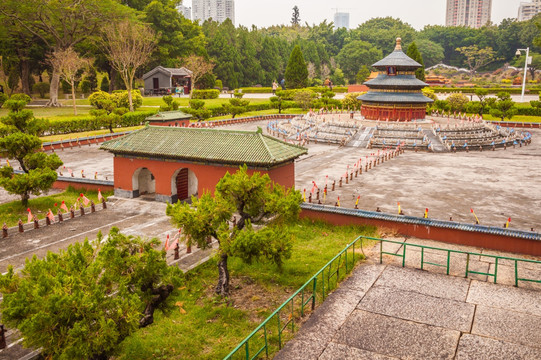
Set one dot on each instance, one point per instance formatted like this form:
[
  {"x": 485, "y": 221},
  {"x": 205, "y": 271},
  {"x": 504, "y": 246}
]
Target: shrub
[
  {"x": 170, "y": 104},
  {"x": 350, "y": 100},
  {"x": 236, "y": 106},
  {"x": 120, "y": 97},
  {"x": 41, "y": 88},
  {"x": 205, "y": 94},
  {"x": 457, "y": 102},
  {"x": 305, "y": 98},
  {"x": 3, "y": 99},
  {"x": 219, "y": 84}
]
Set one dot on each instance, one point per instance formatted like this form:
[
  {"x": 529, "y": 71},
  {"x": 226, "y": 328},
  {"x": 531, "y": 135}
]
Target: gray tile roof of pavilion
[
  {"x": 398, "y": 81},
  {"x": 206, "y": 146},
  {"x": 395, "y": 97},
  {"x": 397, "y": 58}
]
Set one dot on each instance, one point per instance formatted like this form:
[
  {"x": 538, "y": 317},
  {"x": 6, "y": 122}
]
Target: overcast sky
[{"x": 417, "y": 13}]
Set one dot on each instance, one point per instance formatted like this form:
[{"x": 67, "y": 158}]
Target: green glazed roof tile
[
  {"x": 205, "y": 145},
  {"x": 169, "y": 116}
]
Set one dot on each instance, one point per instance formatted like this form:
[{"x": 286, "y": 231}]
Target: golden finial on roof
[{"x": 398, "y": 44}]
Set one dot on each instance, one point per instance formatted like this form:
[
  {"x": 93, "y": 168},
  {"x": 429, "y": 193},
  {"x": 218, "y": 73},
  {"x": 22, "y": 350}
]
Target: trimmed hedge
[
  {"x": 490, "y": 90},
  {"x": 205, "y": 94},
  {"x": 90, "y": 123},
  {"x": 267, "y": 90}
]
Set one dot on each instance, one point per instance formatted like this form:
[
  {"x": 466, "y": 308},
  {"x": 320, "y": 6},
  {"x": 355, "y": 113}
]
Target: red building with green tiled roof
[
  {"x": 395, "y": 94},
  {"x": 175, "y": 163}
]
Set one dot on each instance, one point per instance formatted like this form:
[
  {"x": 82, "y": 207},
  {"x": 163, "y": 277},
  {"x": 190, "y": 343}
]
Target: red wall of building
[
  {"x": 177, "y": 123},
  {"x": 452, "y": 236},
  {"x": 64, "y": 184},
  {"x": 207, "y": 175}
]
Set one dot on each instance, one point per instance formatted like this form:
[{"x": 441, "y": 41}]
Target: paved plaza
[{"x": 383, "y": 311}]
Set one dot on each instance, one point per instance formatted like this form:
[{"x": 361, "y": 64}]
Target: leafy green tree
[
  {"x": 482, "y": 95},
  {"x": 457, "y": 101},
  {"x": 82, "y": 302},
  {"x": 295, "y": 17},
  {"x": 197, "y": 109},
  {"x": 362, "y": 74},
  {"x": 62, "y": 24},
  {"x": 256, "y": 200},
  {"x": 170, "y": 104},
  {"x": 382, "y": 33},
  {"x": 277, "y": 102},
  {"x": 414, "y": 53},
  {"x": 296, "y": 70},
  {"x": 104, "y": 85},
  {"x": 270, "y": 59},
  {"x": 236, "y": 106},
  {"x": 504, "y": 107},
  {"x": 305, "y": 98},
  {"x": 476, "y": 58},
  {"x": 351, "y": 102},
  {"x": 223, "y": 48},
  {"x": 431, "y": 51},
  {"x": 356, "y": 54},
  {"x": 22, "y": 143}
]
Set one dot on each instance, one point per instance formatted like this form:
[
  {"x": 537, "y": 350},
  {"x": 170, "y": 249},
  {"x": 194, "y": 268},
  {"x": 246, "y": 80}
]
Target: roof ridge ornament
[{"x": 398, "y": 44}]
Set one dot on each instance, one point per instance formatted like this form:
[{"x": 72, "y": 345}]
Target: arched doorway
[
  {"x": 184, "y": 185},
  {"x": 143, "y": 182}
]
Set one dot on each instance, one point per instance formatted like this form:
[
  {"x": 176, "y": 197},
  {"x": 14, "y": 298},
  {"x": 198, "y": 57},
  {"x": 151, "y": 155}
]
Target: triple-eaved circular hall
[{"x": 395, "y": 94}]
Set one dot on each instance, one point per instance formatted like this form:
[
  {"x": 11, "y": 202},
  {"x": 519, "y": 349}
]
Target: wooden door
[{"x": 182, "y": 184}]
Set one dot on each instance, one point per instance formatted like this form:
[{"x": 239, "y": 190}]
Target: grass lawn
[
  {"x": 201, "y": 326},
  {"x": 86, "y": 133},
  {"x": 516, "y": 118},
  {"x": 10, "y": 213}
]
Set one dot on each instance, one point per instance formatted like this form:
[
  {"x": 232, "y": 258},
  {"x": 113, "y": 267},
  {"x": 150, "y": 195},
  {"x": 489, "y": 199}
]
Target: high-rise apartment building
[
  {"x": 185, "y": 11},
  {"x": 528, "y": 10},
  {"x": 341, "y": 20},
  {"x": 472, "y": 13},
  {"x": 218, "y": 10}
]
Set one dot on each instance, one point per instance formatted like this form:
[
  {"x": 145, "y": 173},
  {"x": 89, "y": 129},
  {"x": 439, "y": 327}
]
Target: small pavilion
[
  {"x": 395, "y": 94},
  {"x": 170, "y": 118},
  {"x": 175, "y": 163}
]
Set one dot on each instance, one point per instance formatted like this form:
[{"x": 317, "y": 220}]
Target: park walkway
[{"x": 384, "y": 311}]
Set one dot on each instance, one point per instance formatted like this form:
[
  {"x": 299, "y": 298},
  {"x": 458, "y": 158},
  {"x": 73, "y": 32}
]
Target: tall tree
[
  {"x": 356, "y": 54},
  {"x": 414, "y": 53},
  {"x": 62, "y": 24},
  {"x": 82, "y": 302},
  {"x": 382, "y": 33},
  {"x": 256, "y": 201},
  {"x": 128, "y": 46},
  {"x": 21, "y": 142},
  {"x": 432, "y": 52},
  {"x": 476, "y": 58},
  {"x": 295, "y": 17},
  {"x": 296, "y": 70},
  {"x": 199, "y": 66},
  {"x": 270, "y": 59},
  {"x": 69, "y": 63}
]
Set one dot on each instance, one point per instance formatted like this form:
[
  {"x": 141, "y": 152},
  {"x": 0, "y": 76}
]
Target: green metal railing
[
  {"x": 449, "y": 253},
  {"x": 279, "y": 327}
]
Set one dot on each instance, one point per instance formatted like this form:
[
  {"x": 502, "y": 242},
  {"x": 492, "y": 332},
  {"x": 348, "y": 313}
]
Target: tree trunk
[
  {"x": 53, "y": 89},
  {"x": 161, "y": 295},
  {"x": 24, "y": 199},
  {"x": 25, "y": 75},
  {"x": 73, "y": 96},
  {"x": 112, "y": 80},
  {"x": 130, "y": 100},
  {"x": 222, "y": 288}
]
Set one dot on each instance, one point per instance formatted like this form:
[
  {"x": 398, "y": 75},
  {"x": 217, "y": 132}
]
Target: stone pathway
[{"x": 387, "y": 312}]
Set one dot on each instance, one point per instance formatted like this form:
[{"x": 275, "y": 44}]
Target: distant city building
[
  {"x": 472, "y": 13},
  {"x": 185, "y": 11},
  {"x": 341, "y": 20},
  {"x": 218, "y": 10},
  {"x": 528, "y": 10}
]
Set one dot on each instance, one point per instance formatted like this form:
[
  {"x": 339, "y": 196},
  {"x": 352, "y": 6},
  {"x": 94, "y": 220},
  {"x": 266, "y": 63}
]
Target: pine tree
[
  {"x": 414, "y": 53},
  {"x": 296, "y": 70},
  {"x": 295, "y": 18}
]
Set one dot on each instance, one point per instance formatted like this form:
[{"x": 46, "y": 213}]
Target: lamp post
[{"x": 528, "y": 61}]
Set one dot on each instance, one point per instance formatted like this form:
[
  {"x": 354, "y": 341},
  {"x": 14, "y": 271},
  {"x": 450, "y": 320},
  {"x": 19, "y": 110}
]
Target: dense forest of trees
[{"x": 31, "y": 30}]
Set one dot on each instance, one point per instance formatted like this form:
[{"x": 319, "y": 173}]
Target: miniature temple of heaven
[{"x": 395, "y": 94}]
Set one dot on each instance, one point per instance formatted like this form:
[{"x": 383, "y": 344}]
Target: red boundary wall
[{"x": 455, "y": 233}]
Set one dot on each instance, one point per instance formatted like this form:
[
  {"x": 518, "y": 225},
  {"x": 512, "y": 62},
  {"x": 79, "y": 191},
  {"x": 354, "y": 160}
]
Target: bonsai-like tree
[
  {"x": 20, "y": 142},
  {"x": 504, "y": 107},
  {"x": 256, "y": 201},
  {"x": 82, "y": 302}
]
